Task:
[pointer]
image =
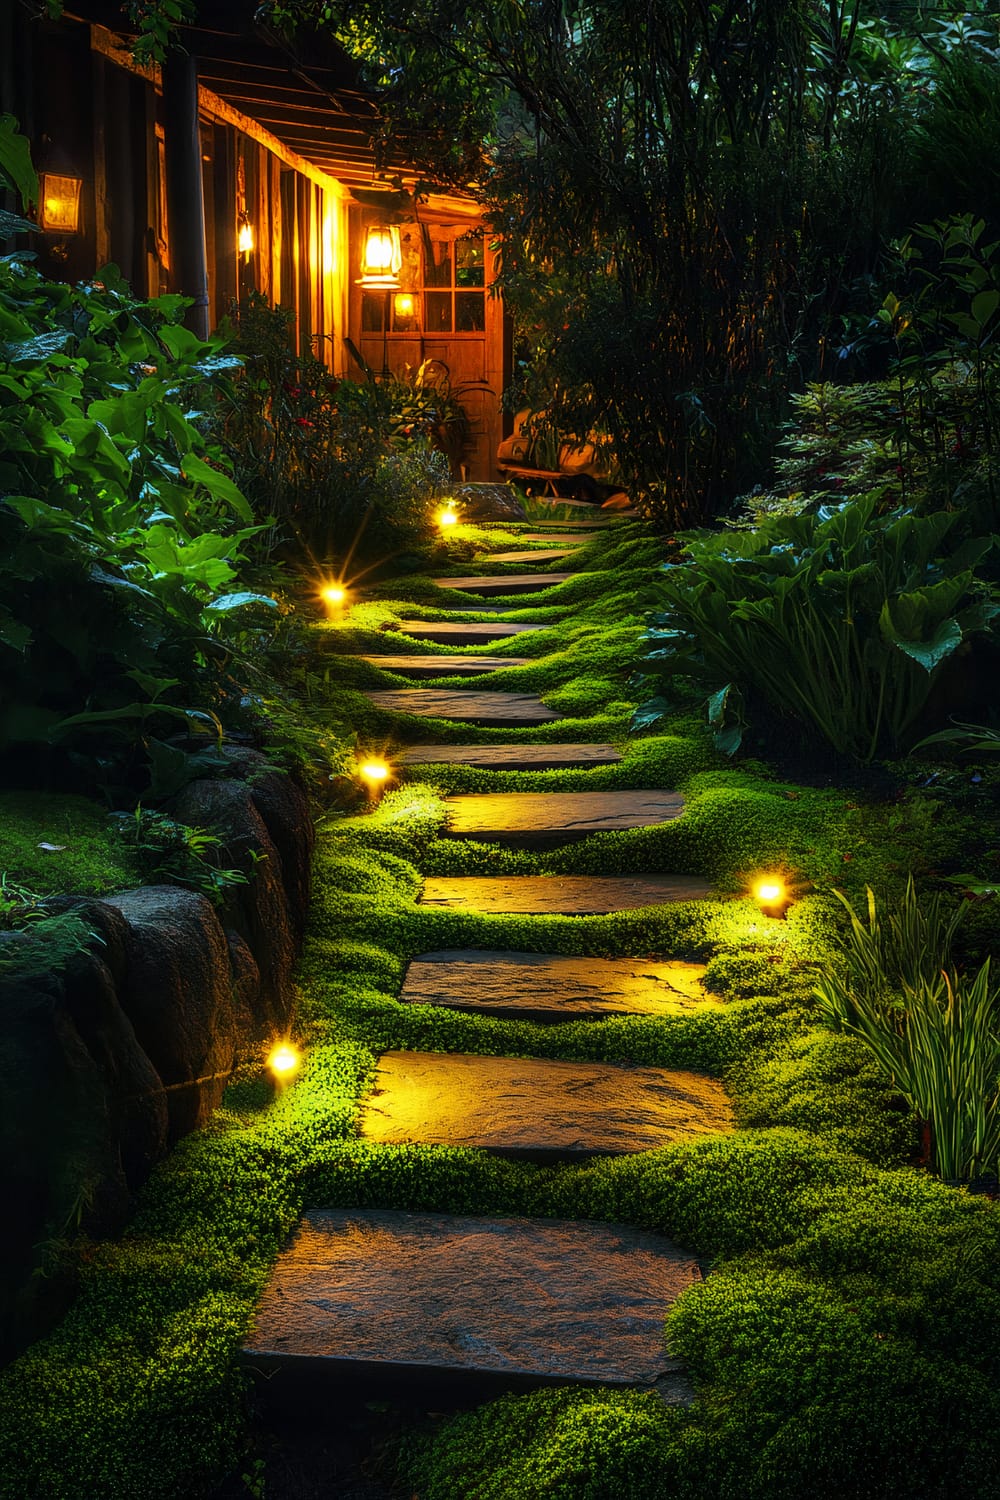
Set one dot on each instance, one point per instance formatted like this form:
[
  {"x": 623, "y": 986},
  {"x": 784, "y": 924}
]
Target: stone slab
[
  {"x": 503, "y": 710},
  {"x": 576, "y": 539},
  {"x": 461, "y": 632},
  {"x": 445, "y": 666},
  {"x": 510, "y": 757},
  {"x": 538, "y": 1109},
  {"x": 538, "y": 554},
  {"x": 514, "y": 583},
  {"x": 569, "y": 895},
  {"x": 380, "y": 1291},
  {"x": 550, "y": 987},
  {"x": 533, "y": 819}
]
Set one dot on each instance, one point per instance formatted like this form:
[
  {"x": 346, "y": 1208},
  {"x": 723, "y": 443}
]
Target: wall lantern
[
  {"x": 382, "y": 258},
  {"x": 59, "y": 202},
  {"x": 404, "y": 305},
  {"x": 244, "y": 236}
]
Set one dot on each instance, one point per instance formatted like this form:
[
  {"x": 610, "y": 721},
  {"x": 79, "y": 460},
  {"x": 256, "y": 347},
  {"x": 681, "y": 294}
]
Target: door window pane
[
  {"x": 469, "y": 265},
  {"x": 437, "y": 312},
  {"x": 470, "y": 312},
  {"x": 437, "y": 262}
]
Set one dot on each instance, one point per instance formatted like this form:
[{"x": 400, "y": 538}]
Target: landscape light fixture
[
  {"x": 374, "y": 774},
  {"x": 283, "y": 1061},
  {"x": 381, "y": 263},
  {"x": 334, "y": 596},
  {"x": 59, "y": 202},
  {"x": 447, "y": 517},
  {"x": 771, "y": 895}
]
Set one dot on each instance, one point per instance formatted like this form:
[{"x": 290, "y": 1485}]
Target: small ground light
[
  {"x": 375, "y": 774},
  {"x": 333, "y": 594},
  {"x": 446, "y": 518},
  {"x": 284, "y": 1061},
  {"x": 771, "y": 895}
]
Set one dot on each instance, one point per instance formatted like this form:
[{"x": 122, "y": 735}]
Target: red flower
[{"x": 302, "y": 422}]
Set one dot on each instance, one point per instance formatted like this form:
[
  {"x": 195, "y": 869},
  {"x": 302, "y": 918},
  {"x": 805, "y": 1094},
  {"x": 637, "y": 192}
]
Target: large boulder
[
  {"x": 178, "y": 994},
  {"x": 83, "y": 1117},
  {"x": 488, "y": 502}
]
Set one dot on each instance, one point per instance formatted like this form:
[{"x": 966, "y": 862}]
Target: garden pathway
[{"x": 520, "y": 1300}]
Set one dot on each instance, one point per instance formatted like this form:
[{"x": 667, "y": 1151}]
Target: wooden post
[{"x": 185, "y": 198}]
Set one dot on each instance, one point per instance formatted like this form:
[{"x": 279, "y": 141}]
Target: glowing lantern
[
  {"x": 244, "y": 236},
  {"x": 404, "y": 305},
  {"x": 382, "y": 259},
  {"x": 446, "y": 518},
  {"x": 59, "y": 199}
]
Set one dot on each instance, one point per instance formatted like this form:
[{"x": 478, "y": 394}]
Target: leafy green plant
[
  {"x": 121, "y": 530},
  {"x": 42, "y": 941},
  {"x": 346, "y": 471},
  {"x": 841, "y": 622},
  {"x": 935, "y": 1032},
  {"x": 179, "y": 853}
]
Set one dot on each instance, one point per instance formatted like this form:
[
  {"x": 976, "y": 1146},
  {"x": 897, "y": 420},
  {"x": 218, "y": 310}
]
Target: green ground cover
[
  {"x": 87, "y": 857},
  {"x": 846, "y": 1341}
]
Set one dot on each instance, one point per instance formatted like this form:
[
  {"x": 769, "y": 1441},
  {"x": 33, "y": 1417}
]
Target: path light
[
  {"x": 333, "y": 595},
  {"x": 374, "y": 774},
  {"x": 771, "y": 895},
  {"x": 284, "y": 1061},
  {"x": 447, "y": 517}
]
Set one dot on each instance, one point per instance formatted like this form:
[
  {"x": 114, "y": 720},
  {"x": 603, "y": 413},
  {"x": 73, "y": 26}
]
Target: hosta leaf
[
  {"x": 649, "y": 713},
  {"x": 226, "y": 603},
  {"x": 35, "y": 350},
  {"x": 930, "y": 654}
]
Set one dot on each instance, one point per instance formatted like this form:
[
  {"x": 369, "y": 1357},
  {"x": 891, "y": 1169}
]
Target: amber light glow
[
  {"x": 374, "y": 772},
  {"x": 333, "y": 594},
  {"x": 771, "y": 894},
  {"x": 59, "y": 197},
  {"x": 381, "y": 258},
  {"x": 284, "y": 1060},
  {"x": 446, "y": 518},
  {"x": 404, "y": 305},
  {"x": 244, "y": 236}
]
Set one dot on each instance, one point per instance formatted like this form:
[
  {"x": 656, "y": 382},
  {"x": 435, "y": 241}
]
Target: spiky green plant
[{"x": 935, "y": 1033}]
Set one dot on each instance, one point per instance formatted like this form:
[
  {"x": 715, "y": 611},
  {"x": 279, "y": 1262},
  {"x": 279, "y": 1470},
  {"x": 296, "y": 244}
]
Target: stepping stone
[
  {"x": 576, "y": 538},
  {"x": 504, "y": 710},
  {"x": 534, "y": 819},
  {"x": 547, "y": 987},
  {"x": 379, "y": 1292},
  {"x": 444, "y": 666},
  {"x": 514, "y": 583},
  {"x": 539, "y": 554},
  {"x": 536, "y": 1108},
  {"x": 510, "y": 757},
  {"x": 569, "y": 895},
  {"x": 461, "y": 633},
  {"x": 600, "y": 520}
]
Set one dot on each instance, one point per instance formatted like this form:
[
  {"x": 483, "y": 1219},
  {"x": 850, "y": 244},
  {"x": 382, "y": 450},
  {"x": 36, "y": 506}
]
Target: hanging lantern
[
  {"x": 404, "y": 305},
  {"x": 59, "y": 202},
  {"x": 382, "y": 258}
]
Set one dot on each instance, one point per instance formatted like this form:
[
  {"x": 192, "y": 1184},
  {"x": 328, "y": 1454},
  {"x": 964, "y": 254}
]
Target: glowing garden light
[
  {"x": 374, "y": 774},
  {"x": 447, "y": 517},
  {"x": 284, "y": 1061},
  {"x": 333, "y": 595},
  {"x": 771, "y": 895}
]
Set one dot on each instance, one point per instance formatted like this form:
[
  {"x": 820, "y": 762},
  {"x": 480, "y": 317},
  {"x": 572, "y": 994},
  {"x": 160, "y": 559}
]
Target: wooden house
[{"x": 249, "y": 161}]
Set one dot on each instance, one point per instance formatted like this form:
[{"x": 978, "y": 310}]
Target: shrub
[{"x": 840, "y": 622}]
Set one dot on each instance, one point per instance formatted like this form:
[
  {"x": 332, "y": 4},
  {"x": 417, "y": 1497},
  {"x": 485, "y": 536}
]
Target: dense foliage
[
  {"x": 842, "y": 621},
  {"x": 121, "y": 532}
]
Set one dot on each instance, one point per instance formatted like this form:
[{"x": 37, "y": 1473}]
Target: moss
[{"x": 90, "y": 858}]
